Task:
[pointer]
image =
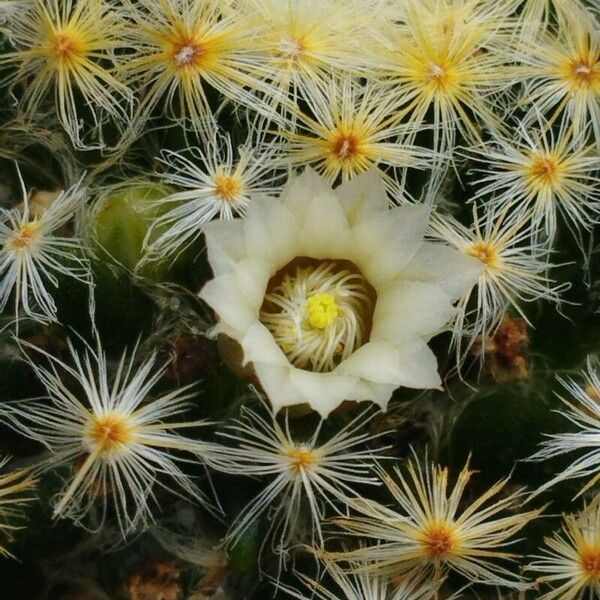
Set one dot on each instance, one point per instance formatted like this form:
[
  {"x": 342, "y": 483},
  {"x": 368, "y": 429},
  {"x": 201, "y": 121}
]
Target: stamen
[
  {"x": 435, "y": 71},
  {"x": 25, "y": 237},
  {"x": 345, "y": 146},
  {"x": 485, "y": 252},
  {"x": 437, "y": 75},
  {"x": 290, "y": 48},
  {"x": 302, "y": 459},
  {"x": 439, "y": 540},
  {"x": 64, "y": 46},
  {"x": 319, "y": 312},
  {"x": 590, "y": 562},
  {"x": 583, "y": 72},
  {"x": 188, "y": 53},
  {"x": 544, "y": 168},
  {"x": 109, "y": 433},
  {"x": 227, "y": 187}
]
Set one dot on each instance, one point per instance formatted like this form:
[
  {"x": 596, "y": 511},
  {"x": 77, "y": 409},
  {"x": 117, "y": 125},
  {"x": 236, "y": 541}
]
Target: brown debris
[{"x": 158, "y": 581}]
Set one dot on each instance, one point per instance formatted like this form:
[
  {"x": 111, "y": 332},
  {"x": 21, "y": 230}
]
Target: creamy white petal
[
  {"x": 322, "y": 391},
  {"x": 224, "y": 296},
  {"x": 444, "y": 266},
  {"x": 380, "y": 393},
  {"x": 260, "y": 347},
  {"x": 429, "y": 307},
  {"x": 363, "y": 197},
  {"x": 271, "y": 232},
  {"x": 325, "y": 232},
  {"x": 252, "y": 276},
  {"x": 277, "y": 385},
  {"x": 413, "y": 280},
  {"x": 224, "y": 244},
  {"x": 386, "y": 243},
  {"x": 298, "y": 193},
  {"x": 410, "y": 364}
]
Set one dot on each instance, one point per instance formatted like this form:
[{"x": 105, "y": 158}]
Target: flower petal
[
  {"x": 363, "y": 197},
  {"x": 410, "y": 309},
  {"x": 252, "y": 276},
  {"x": 379, "y": 393},
  {"x": 223, "y": 295},
  {"x": 325, "y": 232},
  {"x": 271, "y": 232},
  {"x": 277, "y": 385},
  {"x": 410, "y": 364},
  {"x": 386, "y": 243},
  {"x": 260, "y": 347},
  {"x": 454, "y": 272},
  {"x": 298, "y": 192},
  {"x": 224, "y": 243},
  {"x": 323, "y": 392}
]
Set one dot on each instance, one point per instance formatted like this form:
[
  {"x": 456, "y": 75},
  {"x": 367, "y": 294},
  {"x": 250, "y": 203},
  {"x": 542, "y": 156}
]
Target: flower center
[
  {"x": 290, "y": 48},
  {"x": 302, "y": 459},
  {"x": 544, "y": 169},
  {"x": 590, "y": 562},
  {"x": 65, "y": 47},
  {"x": 437, "y": 75},
  {"x": 485, "y": 252},
  {"x": 188, "y": 53},
  {"x": 109, "y": 433},
  {"x": 227, "y": 187},
  {"x": 439, "y": 540},
  {"x": 345, "y": 146},
  {"x": 318, "y": 311},
  {"x": 583, "y": 72},
  {"x": 25, "y": 237}
]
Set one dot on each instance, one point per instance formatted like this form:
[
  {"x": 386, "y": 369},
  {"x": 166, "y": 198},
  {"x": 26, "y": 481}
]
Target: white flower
[
  {"x": 214, "y": 183},
  {"x": 445, "y": 62},
  {"x": 571, "y": 561},
  {"x": 348, "y": 129},
  {"x": 34, "y": 252},
  {"x": 117, "y": 442},
  {"x": 536, "y": 170},
  {"x": 515, "y": 265},
  {"x": 432, "y": 532},
  {"x": 583, "y": 411},
  {"x": 302, "y": 42},
  {"x": 331, "y": 295},
  {"x": 306, "y": 476},
  {"x": 562, "y": 70}
]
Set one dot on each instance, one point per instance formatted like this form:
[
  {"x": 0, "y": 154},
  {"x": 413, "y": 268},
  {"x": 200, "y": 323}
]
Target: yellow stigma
[
  {"x": 227, "y": 187},
  {"x": 590, "y": 562},
  {"x": 439, "y": 540},
  {"x": 322, "y": 310},
  {"x": 110, "y": 432},
  {"x": 485, "y": 252},
  {"x": 26, "y": 236}
]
